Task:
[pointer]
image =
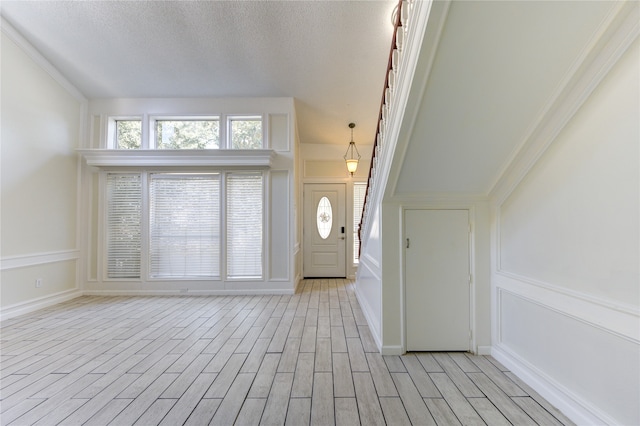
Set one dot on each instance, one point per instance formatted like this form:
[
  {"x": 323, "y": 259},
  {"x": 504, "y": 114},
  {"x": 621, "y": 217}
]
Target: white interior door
[
  {"x": 324, "y": 230},
  {"x": 437, "y": 280}
]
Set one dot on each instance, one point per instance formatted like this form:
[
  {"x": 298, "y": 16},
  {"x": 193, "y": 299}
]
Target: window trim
[{"x": 178, "y": 158}]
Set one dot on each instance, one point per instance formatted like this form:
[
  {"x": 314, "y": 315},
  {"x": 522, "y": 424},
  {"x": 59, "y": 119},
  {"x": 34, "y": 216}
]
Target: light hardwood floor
[{"x": 245, "y": 360}]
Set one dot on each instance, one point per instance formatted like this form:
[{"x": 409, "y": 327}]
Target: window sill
[{"x": 178, "y": 158}]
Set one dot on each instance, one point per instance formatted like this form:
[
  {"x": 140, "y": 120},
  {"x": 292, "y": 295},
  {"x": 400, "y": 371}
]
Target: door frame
[{"x": 472, "y": 267}]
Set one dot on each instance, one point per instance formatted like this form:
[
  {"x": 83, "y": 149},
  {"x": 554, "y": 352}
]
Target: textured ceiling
[{"x": 329, "y": 55}]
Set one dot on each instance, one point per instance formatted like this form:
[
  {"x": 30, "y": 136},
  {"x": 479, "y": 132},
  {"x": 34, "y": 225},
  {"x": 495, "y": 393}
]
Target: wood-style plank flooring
[{"x": 245, "y": 360}]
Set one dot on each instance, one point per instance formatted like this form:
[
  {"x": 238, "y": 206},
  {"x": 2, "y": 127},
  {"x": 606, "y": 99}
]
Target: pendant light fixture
[{"x": 352, "y": 156}]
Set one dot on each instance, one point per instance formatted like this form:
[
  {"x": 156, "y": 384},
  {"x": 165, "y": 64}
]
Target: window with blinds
[
  {"x": 187, "y": 232},
  {"x": 359, "y": 190},
  {"x": 184, "y": 225},
  {"x": 244, "y": 225},
  {"x": 124, "y": 192}
]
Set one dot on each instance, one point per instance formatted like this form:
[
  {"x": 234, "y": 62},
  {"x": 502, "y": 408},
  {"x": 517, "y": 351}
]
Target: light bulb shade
[{"x": 352, "y": 165}]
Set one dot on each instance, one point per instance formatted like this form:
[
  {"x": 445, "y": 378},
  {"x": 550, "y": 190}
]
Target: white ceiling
[
  {"x": 497, "y": 67},
  {"x": 330, "y": 55}
]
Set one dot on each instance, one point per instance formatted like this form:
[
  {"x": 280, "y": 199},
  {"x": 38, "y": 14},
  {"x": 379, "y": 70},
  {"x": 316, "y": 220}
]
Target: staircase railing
[{"x": 401, "y": 17}]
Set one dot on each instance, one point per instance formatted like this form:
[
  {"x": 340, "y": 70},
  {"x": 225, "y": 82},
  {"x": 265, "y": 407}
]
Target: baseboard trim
[
  {"x": 37, "y": 304},
  {"x": 369, "y": 317},
  {"x": 569, "y": 404},
  {"x": 484, "y": 350},
  {"x": 197, "y": 293},
  {"x": 392, "y": 350}
]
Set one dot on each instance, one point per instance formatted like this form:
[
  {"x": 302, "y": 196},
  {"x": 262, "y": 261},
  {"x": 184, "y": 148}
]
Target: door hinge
[
  {"x": 408, "y": 242},
  {"x": 470, "y": 335},
  {"x": 470, "y": 279}
]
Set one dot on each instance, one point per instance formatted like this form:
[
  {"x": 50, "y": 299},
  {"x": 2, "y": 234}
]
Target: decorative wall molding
[
  {"x": 371, "y": 264},
  {"x": 578, "y": 410},
  {"x": 611, "y": 41},
  {"x": 584, "y": 318},
  {"x": 442, "y": 198},
  {"x": 39, "y": 303},
  {"x": 178, "y": 158},
  {"x": 40, "y": 60},
  {"x": 613, "y": 317},
  {"x": 373, "y": 320},
  {"x": 34, "y": 259}
]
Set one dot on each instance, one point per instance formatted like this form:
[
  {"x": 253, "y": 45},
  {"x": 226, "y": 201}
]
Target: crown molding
[
  {"x": 615, "y": 35},
  {"x": 107, "y": 158},
  {"x": 40, "y": 60}
]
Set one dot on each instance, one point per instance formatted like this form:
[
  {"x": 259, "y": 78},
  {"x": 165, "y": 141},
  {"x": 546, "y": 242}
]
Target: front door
[
  {"x": 437, "y": 280},
  {"x": 324, "y": 230}
]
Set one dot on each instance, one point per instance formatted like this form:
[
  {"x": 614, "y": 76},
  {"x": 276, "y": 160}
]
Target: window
[
  {"x": 187, "y": 134},
  {"x": 187, "y": 232},
  {"x": 245, "y": 132},
  {"x": 359, "y": 190},
  {"x": 244, "y": 225},
  {"x": 124, "y": 192},
  {"x": 184, "y": 237},
  {"x": 324, "y": 218},
  {"x": 128, "y": 134}
]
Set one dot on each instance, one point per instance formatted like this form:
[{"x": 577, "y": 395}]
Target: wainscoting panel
[
  {"x": 368, "y": 290},
  {"x": 568, "y": 358}
]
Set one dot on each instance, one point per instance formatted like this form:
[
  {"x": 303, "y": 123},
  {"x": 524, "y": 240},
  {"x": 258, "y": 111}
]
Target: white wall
[
  {"x": 280, "y": 235},
  {"x": 566, "y": 278},
  {"x": 369, "y": 284},
  {"x": 41, "y": 122}
]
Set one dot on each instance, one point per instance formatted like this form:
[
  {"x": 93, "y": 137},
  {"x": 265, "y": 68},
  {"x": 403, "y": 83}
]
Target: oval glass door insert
[{"x": 324, "y": 217}]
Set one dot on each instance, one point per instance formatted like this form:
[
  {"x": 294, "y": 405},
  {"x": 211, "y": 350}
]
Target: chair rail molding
[{"x": 33, "y": 259}]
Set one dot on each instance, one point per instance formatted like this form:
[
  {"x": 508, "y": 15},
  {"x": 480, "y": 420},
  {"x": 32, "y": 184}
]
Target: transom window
[
  {"x": 245, "y": 132},
  {"x": 128, "y": 134},
  {"x": 187, "y": 132}
]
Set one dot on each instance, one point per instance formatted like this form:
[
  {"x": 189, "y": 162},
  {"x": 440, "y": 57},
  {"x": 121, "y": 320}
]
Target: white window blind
[
  {"x": 184, "y": 235},
  {"x": 244, "y": 225},
  {"x": 124, "y": 195},
  {"x": 359, "y": 190}
]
